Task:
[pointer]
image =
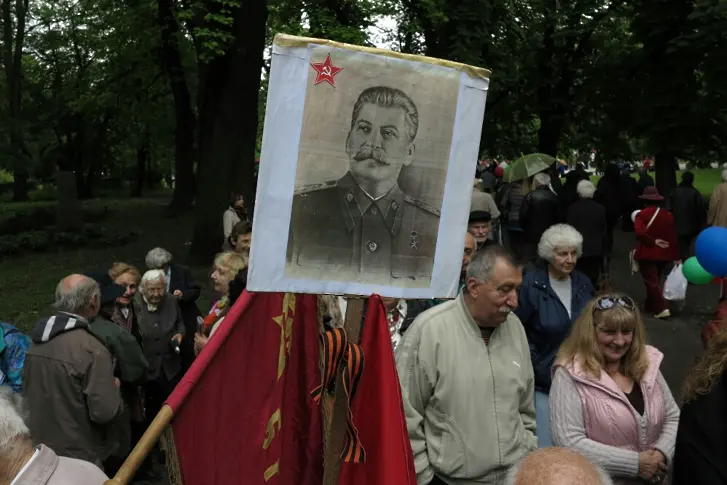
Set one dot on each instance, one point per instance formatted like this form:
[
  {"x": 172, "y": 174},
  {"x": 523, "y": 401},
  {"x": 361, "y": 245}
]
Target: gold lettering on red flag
[
  {"x": 285, "y": 322},
  {"x": 273, "y": 422}
]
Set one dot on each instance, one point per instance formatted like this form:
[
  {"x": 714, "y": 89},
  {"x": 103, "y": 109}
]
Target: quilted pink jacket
[{"x": 608, "y": 415}]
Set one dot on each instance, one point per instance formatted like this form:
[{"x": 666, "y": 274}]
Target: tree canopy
[{"x": 139, "y": 93}]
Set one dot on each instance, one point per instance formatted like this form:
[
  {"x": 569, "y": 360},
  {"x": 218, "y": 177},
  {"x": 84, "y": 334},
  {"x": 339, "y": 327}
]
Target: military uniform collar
[{"x": 357, "y": 202}]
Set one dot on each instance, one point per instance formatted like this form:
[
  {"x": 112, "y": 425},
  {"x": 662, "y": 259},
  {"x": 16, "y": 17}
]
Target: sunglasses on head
[{"x": 608, "y": 302}]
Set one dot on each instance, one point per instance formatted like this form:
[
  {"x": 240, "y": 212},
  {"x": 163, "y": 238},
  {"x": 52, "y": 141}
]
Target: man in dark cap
[
  {"x": 130, "y": 367},
  {"x": 480, "y": 226}
]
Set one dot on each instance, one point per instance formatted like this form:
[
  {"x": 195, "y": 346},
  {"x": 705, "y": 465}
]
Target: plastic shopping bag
[{"x": 675, "y": 287}]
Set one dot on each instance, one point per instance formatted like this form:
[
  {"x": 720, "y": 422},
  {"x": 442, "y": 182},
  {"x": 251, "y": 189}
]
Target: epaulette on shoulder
[
  {"x": 307, "y": 189},
  {"x": 422, "y": 205}
]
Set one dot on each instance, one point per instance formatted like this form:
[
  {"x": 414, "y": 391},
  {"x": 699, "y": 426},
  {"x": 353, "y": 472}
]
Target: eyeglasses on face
[{"x": 608, "y": 302}]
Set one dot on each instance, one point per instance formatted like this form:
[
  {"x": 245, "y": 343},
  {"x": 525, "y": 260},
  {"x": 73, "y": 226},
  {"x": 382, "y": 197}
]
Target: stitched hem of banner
[
  {"x": 284, "y": 40},
  {"x": 174, "y": 469}
]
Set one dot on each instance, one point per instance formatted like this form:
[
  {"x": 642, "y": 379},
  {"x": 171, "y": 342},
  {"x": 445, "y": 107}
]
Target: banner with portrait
[{"x": 365, "y": 172}]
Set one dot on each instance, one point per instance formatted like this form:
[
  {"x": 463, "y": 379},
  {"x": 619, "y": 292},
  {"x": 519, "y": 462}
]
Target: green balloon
[{"x": 694, "y": 273}]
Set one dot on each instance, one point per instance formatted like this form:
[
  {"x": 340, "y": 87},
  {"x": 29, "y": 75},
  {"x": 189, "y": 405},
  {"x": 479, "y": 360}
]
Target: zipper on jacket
[
  {"x": 548, "y": 290},
  {"x": 621, "y": 398},
  {"x": 494, "y": 399}
]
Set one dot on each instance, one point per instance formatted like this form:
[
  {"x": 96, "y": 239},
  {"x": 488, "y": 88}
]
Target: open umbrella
[{"x": 527, "y": 166}]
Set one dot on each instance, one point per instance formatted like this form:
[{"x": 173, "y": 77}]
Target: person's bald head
[
  {"x": 79, "y": 295},
  {"x": 70, "y": 282},
  {"x": 556, "y": 466}
]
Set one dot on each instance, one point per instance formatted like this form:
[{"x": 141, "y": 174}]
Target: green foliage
[{"x": 627, "y": 78}]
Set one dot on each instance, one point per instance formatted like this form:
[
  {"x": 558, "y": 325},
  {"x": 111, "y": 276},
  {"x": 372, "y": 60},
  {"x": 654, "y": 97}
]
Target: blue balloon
[{"x": 711, "y": 250}]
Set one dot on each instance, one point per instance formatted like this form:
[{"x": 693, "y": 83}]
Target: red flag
[
  {"x": 243, "y": 412},
  {"x": 378, "y": 412}
]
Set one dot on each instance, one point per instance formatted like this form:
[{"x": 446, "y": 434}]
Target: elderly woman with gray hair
[
  {"x": 162, "y": 332},
  {"x": 182, "y": 286},
  {"x": 551, "y": 298}
]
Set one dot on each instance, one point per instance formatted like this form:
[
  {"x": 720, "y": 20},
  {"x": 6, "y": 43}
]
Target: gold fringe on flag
[{"x": 173, "y": 468}]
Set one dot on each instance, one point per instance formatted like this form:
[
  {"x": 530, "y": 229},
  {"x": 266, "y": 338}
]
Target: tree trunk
[
  {"x": 551, "y": 129},
  {"x": 228, "y": 116},
  {"x": 666, "y": 173},
  {"x": 90, "y": 180},
  {"x": 183, "y": 195},
  {"x": 142, "y": 156},
  {"x": 20, "y": 185},
  {"x": 13, "y": 41},
  {"x": 151, "y": 176},
  {"x": 79, "y": 171}
]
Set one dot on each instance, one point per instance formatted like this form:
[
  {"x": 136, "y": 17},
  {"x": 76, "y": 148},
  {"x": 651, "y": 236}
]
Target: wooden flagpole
[
  {"x": 143, "y": 447},
  {"x": 337, "y": 428}
]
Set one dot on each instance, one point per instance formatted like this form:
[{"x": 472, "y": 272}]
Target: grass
[
  {"x": 705, "y": 179},
  {"x": 28, "y": 281}
]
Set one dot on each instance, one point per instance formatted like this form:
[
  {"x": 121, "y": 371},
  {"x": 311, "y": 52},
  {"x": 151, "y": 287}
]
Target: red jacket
[{"x": 663, "y": 228}]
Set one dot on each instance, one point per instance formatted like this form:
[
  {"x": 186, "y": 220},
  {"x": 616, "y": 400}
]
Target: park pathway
[{"x": 678, "y": 337}]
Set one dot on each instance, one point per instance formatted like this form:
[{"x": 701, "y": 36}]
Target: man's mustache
[{"x": 366, "y": 152}]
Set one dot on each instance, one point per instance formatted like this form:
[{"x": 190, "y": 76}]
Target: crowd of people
[
  {"x": 95, "y": 373},
  {"x": 538, "y": 351},
  {"x": 537, "y": 372}
]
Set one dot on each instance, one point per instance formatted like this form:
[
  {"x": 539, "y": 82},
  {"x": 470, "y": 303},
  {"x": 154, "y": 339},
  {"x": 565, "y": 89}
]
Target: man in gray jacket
[
  {"x": 467, "y": 380},
  {"x": 68, "y": 376}
]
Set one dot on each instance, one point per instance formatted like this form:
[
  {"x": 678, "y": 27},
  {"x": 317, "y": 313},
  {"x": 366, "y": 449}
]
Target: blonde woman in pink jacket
[{"x": 608, "y": 400}]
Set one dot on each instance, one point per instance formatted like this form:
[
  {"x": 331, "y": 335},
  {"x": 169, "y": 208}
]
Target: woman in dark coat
[
  {"x": 182, "y": 286},
  {"x": 589, "y": 218},
  {"x": 608, "y": 195},
  {"x": 550, "y": 299},
  {"x": 690, "y": 212},
  {"x": 701, "y": 445}
]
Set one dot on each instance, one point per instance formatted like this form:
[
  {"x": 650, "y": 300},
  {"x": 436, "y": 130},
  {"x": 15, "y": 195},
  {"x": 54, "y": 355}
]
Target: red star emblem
[{"x": 326, "y": 71}]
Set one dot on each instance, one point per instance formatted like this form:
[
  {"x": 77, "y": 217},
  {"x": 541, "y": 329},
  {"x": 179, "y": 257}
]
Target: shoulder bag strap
[{"x": 653, "y": 217}]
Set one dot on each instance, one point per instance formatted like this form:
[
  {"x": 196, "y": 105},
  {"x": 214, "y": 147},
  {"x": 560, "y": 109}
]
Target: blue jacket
[
  {"x": 13, "y": 346},
  {"x": 546, "y": 320}
]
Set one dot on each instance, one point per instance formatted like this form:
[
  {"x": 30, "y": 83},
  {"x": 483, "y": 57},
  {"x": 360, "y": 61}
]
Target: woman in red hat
[{"x": 656, "y": 246}]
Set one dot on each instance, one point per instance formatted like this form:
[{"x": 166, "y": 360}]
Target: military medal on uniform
[{"x": 414, "y": 240}]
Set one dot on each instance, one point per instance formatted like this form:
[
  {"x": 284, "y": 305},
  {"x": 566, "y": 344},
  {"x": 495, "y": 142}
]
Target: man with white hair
[
  {"x": 539, "y": 211},
  {"x": 68, "y": 376},
  {"x": 21, "y": 463},
  {"x": 467, "y": 379},
  {"x": 556, "y": 466},
  {"x": 588, "y": 217},
  {"x": 162, "y": 330}
]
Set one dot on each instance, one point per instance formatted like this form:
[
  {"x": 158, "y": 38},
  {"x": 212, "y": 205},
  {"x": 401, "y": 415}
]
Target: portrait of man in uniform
[{"x": 363, "y": 226}]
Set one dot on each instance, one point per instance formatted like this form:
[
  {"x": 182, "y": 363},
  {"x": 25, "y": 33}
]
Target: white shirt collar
[
  {"x": 16, "y": 480},
  {"x": 73, "y": 315}
]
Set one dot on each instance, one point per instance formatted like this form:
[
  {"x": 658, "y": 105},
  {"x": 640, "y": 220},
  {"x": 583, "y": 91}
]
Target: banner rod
[
  {"x": 143, "y": 447},
  {"x": 337, "y": 428}
]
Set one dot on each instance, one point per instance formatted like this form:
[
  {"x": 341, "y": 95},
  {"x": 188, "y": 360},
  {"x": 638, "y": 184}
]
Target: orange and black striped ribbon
[
  {"x": 336, "y": 349},
  {"x": 352, "y": 448},
  {"x": 334, "y": 346}
]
